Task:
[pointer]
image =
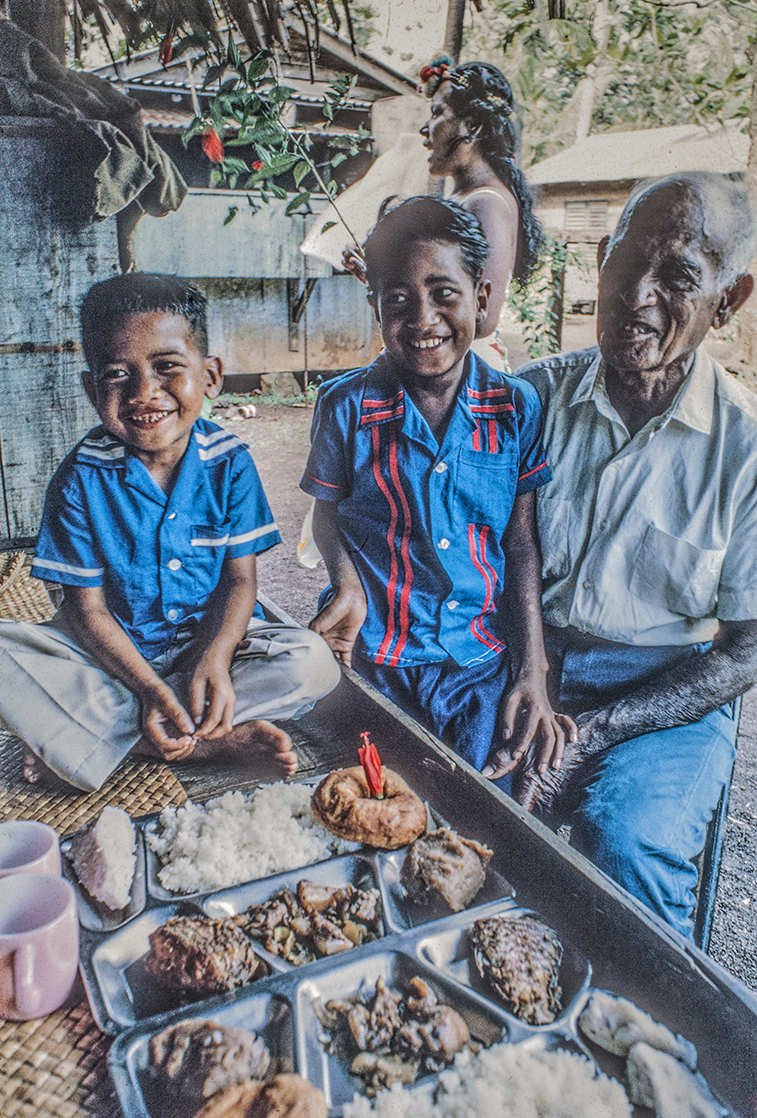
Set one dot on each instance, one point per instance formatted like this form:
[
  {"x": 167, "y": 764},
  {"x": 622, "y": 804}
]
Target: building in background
[
  {"x": 581, "y": 191},
  {"x": 272, "y": 310}
]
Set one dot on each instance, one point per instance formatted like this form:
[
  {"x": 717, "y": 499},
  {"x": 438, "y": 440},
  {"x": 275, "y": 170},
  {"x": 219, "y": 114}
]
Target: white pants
[{"x": 81, "y": 722}]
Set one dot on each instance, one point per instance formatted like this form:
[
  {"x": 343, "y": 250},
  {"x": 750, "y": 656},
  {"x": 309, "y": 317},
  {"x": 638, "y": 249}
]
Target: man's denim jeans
[{"x": 646, "y": 803}]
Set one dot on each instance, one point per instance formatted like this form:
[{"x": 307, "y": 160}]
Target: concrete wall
[{"x": 48, "y": 258}]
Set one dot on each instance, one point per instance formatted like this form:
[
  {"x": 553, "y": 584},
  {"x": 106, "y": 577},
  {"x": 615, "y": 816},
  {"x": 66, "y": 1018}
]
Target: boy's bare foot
[
  {"x": 247, "y": 740},
  {"x": 32, "y": 772}
]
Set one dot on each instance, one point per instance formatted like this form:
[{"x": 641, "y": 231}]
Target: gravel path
[{"x": 279, "y": 439}]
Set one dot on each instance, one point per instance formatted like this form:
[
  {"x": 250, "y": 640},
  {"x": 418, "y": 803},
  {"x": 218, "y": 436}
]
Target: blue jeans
[
  {"x": 461, "y": 705},
  {"x": 646, "y": 803}
]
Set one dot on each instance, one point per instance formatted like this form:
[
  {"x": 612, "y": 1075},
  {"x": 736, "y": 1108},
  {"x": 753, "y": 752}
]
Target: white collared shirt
[{"x": 649, "y": 539}]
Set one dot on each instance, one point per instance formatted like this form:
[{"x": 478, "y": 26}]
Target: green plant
[
  {"x": 248, "y": 112},
  {"x": 538, "y": 306}
]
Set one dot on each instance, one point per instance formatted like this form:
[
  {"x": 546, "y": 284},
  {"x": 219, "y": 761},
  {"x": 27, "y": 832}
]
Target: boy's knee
[{"x": 315, "y": 662}]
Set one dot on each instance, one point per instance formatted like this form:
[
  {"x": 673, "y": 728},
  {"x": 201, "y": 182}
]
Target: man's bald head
[{"x": 721, "y": 203}]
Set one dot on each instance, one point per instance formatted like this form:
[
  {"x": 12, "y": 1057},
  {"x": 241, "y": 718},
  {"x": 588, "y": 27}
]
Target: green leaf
[
  {"x": 300, "y": 200},
  {"x": 338, "y": 158},
  {"x": 231, "y": 163},
  {"x": 232, "y": 53},
  {"x": 212, "y": 74},
  {"x": 327, "y": 225},
  {"x": 278, "y": 191},
  {"x": 216, "y": 176},
  {"x": 301, "y": 169},
  {"x": 258, "y": 66}
]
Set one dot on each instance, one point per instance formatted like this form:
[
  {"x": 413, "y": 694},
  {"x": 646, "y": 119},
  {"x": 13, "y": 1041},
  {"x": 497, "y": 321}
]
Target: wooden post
[{"x": 453, "y": 32}]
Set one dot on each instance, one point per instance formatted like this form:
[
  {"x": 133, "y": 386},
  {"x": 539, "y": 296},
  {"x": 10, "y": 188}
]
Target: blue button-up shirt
[
  {"x": 157, "y": 555},
  {"x": 424, "y": 522}
]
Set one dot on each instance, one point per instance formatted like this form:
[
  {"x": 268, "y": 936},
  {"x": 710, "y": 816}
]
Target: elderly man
[{"x": 649, "y": 543}]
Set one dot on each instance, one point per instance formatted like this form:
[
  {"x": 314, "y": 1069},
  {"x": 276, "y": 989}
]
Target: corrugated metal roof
[{"x": 644, "y": 153}]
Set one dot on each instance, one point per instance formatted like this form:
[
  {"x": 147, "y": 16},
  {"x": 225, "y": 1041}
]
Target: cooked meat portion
[
  {"x": 443, "y": 863},
  {"x": 660, "y": 1081},
  {"x": 192, "y": 1060},
  {"x": 396, "y": 1036},
  {"x": 520, "y": 957},
  {"x": 201, "y": 955},
  {"x": 616, "y": 1023},
  {"x": 284, "y": 1096},
  {"x": 318, "y": 920}
]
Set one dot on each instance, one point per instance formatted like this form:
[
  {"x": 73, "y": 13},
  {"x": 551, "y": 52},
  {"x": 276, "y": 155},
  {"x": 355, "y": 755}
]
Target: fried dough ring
[
  {"x": 285, "y": 1096},
  {"x": 343, "y": 803}
]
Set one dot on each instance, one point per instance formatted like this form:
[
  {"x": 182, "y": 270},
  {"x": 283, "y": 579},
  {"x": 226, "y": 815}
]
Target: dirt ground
[{"x": 278, "y": 437}]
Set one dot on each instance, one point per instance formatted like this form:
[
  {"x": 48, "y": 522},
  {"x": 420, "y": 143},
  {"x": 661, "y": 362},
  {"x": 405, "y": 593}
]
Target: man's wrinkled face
[{"x": 659, "y": 284}]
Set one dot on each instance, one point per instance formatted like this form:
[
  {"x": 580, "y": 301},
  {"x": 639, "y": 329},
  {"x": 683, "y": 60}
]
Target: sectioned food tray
[{"x": 610, "y": 941}]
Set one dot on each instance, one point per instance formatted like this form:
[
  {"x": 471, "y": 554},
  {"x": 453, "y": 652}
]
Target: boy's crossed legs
[{"x": 81, "y": 723}]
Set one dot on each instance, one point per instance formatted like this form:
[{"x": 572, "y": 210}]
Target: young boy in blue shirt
[
  {"x": 152, "y": 524},
  {"x": 424, "y": 467}
]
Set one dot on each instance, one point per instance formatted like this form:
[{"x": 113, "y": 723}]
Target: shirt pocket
[
  {"x": 676, "y": 574},
  {"x": 556, "y": 521},
  {"x": 207, "y": 553},
  {"x": 485, "y": 486}
]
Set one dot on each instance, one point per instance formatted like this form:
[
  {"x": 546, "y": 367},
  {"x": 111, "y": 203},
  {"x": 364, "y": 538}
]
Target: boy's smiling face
[
  {"x": 429, "y": 306},
  {"x": 149, "y": 384}
]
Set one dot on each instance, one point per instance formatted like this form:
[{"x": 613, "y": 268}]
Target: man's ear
[
  {"x": 733, "y": 297},
  {"x": 89, "y": 386},
  {"x": 483, "y": 294},
  {"x": 602, "y": 251},
  {"x": 214, "y": 374}
]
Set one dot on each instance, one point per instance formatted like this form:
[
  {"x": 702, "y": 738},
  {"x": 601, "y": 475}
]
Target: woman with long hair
[{"x": 473, "y": 137}]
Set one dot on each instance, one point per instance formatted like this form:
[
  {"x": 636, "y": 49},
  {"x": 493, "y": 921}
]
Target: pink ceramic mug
[
  {"x": 39, "y": 944},
  {"x": 28, "y": 847}
]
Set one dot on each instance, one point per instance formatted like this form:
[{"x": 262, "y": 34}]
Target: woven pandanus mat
[
  {"x": 138, "y": 786},
  {"x": 56, "y": 1067}
]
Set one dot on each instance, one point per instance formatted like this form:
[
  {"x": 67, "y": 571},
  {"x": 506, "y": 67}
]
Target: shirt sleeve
[
  {"x": 533, "y": 470},
  {"x": 252, "y": 528},
  {"x": 66, "y": 550},
  {"x": 326, "y": 476},
  {"x": 737, "y": 592}
]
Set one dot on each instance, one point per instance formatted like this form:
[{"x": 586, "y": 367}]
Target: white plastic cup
[
  {"x": 27, "y": 846},
  {"x": 39, "y": 944}
]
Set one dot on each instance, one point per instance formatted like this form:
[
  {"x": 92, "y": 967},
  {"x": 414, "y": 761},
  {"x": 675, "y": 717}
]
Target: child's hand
[
  {"x": 166, "y": 725},
  {"x": 340, "y": 622},
  {"x": 211, "y": 698},
  {"x": 535, "y": 734}
]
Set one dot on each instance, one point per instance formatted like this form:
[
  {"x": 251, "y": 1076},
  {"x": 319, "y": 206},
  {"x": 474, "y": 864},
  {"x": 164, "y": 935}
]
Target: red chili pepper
[
  {"x": 165, "y": 54},
  {"x": 212, "y": 146},
  {"x": 371, "y": 763},
  {"x": 257, "y": 164}
]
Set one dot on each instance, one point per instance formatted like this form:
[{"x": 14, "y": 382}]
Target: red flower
[
  {"x": 371, "y": 763},
  {"x": 426, "y": 72},
  {"x": 257, "y": 164},
  {"x": 165, "y": 54},
  {"x": 212, "y": 146}
]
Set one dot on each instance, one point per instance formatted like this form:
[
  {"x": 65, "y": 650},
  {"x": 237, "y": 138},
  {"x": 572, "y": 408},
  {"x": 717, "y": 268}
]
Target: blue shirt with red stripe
[
  {"x": 158, "y": 556},
  {"x": 424, "y": 523}
]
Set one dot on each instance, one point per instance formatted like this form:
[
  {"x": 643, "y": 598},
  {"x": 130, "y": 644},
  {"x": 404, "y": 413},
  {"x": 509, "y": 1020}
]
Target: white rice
[
  {"x": 506, "y": 1080},
  {"x": 235, "y": 838}
]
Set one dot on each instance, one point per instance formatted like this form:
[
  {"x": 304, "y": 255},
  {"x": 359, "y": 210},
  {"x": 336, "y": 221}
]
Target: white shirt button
[
  {"x": 174, "y": 564},
  {"x": 172, "y": 614},
  {"x": 171, "y": 516},
  {"x": 444, "y": 543},
  {"x": 440, "y": 468},
  {"x": 588, "y": 584},
  {"x": 453, "y": 604}
]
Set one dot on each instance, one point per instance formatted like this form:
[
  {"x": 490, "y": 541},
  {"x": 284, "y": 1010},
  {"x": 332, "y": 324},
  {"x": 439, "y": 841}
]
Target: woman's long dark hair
[{"x": 480, "y": 93}]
